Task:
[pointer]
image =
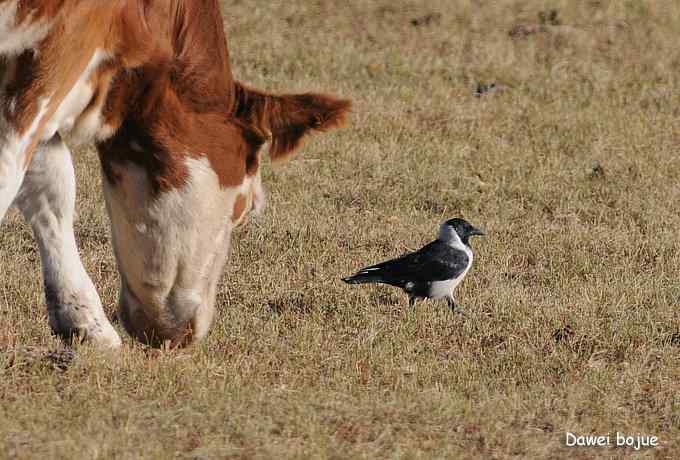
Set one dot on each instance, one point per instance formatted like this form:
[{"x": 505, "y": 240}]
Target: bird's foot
[{"x": 455, "y": 308}]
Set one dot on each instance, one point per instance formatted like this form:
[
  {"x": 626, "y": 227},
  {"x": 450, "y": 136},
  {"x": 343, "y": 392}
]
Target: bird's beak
[{"x": 476, "y": 231}]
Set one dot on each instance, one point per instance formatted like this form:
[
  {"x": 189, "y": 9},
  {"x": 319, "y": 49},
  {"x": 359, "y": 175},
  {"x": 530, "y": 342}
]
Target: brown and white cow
[{"x": 179, "y": 143}]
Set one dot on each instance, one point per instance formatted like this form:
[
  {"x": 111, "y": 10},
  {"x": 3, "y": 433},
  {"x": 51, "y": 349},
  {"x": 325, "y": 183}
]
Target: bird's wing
[{"x": 436, "y": 261}]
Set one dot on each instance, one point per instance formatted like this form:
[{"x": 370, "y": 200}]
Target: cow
[{"x": 179, "y": 143}]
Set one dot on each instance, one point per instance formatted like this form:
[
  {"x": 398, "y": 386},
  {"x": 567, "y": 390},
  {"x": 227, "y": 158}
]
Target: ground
[{"x": 570, "y": 163}]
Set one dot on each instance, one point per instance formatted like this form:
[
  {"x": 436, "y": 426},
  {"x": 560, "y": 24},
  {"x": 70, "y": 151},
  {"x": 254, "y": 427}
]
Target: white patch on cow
[
  {"x": 171, "y": 270},
  {"x": 77, "y": 99},
  {"x": 13, "y": 148},
  {"x": 46, "y": 199},
  {"x": 17, "y": 38}
]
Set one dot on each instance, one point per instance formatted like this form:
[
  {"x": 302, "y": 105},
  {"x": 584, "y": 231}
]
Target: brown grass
[{"x": 573, "y": 170}]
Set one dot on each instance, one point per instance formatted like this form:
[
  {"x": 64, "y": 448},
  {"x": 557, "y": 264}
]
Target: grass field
[{"x": 572, "y": 168}]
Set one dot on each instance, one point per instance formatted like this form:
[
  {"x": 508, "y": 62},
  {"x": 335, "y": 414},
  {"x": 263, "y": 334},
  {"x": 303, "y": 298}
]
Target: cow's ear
[
  {"x": 293, "y": 116},
  {"x": 288, "y": 117}
]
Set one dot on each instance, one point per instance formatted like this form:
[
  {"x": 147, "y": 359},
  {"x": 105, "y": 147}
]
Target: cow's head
[{"x": 177, "y": 182}]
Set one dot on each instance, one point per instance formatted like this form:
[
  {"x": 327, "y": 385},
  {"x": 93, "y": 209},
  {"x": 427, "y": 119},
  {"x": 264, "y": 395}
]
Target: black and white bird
[{"x": 432, "y": 272}]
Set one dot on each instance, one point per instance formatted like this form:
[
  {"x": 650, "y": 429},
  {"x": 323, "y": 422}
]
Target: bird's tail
[{"x": 367, "y": 275}]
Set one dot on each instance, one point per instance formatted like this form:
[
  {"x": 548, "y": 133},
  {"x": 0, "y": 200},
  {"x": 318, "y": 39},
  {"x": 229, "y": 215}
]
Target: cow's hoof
[{"x": 74, "y": 328}]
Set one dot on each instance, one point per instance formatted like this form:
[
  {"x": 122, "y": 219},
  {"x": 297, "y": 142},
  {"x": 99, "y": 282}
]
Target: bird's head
[{"x": 458, "y": 230}]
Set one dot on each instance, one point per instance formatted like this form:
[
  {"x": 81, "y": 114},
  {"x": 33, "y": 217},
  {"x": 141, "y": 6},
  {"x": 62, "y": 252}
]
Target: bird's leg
[
  {"x": 411, "y": 301},
  {"x": 454, "y": 308}
]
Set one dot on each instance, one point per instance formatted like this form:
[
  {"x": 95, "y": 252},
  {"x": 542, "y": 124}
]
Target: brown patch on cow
[{"x": 239, "y": 207}]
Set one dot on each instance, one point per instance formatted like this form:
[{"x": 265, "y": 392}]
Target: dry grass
[{"x": 573, "y": 325}]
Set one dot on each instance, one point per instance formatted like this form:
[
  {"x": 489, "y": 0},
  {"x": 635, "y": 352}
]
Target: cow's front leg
[
  {"x": 11, "y": 169},
  {"x": 47, "y": 200},
  {"x": 11, "y": 175}
]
